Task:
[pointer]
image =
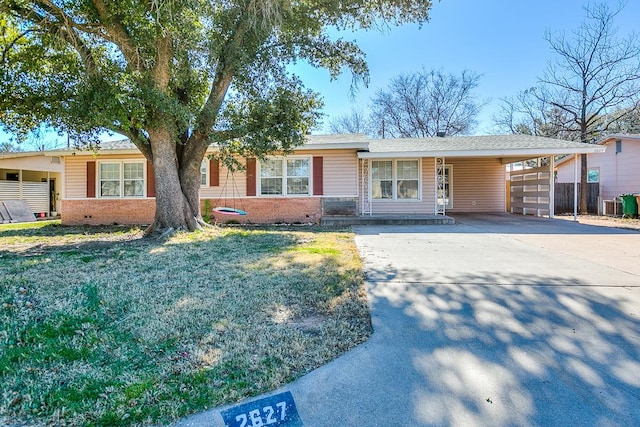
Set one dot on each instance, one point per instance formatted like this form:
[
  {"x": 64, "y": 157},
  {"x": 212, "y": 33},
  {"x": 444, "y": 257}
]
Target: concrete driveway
[{"x": 498, "y": 320}]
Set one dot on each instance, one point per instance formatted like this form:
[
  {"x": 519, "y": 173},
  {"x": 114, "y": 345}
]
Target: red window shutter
[
  {"x": 214, "y": 173},
  {"x": 151, "y": 180},
  {"x": 91, "y": 179},
  {"x": 318, "y": 177},
  {"x": 251, "y": 177}
]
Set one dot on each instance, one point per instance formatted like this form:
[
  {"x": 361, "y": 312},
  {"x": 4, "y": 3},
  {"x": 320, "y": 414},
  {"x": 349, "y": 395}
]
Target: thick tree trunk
[
  {"x": 173, "y": 209},
  {"x": 190, "y": 160},
  {"x": 583, "y": 185}
]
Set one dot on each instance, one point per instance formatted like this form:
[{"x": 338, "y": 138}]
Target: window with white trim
[
  {"x": 408, "y": 179},
  {"x": 121, "y": 179},
  {"x": 395, "y": 179},
  {"x": 204, "y": 175},
  {"x": 285, "y": 176}
]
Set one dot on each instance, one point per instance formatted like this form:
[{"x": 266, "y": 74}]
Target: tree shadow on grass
[
  {"x": 168, "y": 326},
  {"x": 544, "y": 350}
]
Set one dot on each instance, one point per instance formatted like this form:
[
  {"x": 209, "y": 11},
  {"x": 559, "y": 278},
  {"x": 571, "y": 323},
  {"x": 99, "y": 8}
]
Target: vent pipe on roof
[{"x": 441, "y": 134}]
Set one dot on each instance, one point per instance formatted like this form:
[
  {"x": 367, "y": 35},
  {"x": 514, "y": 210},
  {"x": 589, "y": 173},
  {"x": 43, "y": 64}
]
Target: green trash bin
[{"x": 629, "y": 205}]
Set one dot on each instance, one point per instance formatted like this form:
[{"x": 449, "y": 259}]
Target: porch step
[{"x": 387, "y": 220}]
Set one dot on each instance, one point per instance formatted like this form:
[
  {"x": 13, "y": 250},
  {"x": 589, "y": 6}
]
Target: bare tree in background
[
  {"x": 595, "y": 80},
  {"x": 427, "y": 103},
  {"x": 528, "y": 113},
  {"x": 357, "y": 121},
  {"x": 8, "y": 147}
]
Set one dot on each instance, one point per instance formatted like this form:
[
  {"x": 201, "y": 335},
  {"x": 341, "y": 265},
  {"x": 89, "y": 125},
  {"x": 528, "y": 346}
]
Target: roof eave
[
  {"x": 533, "y": 152},
  {"x": 615, "y": 136},
  {"x": 19, "y": 154},
  {"x": 117, "y": 151}
]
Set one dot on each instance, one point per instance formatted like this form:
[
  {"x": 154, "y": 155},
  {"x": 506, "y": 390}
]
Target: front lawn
[{"x": 99, "y": 326}]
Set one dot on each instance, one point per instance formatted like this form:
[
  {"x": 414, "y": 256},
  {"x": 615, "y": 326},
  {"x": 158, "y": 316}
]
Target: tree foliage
[
  {"x": 176, "y": 76},
  {"x": 427, "y": 103}
]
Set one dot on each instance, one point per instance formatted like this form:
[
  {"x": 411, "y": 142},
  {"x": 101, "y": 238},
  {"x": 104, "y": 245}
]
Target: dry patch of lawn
[
  {"x": 99, "y": 326},
  {"x": 605, "y": 221}
]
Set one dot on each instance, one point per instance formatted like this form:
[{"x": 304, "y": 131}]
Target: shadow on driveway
[{"x": 528, "y": 354}]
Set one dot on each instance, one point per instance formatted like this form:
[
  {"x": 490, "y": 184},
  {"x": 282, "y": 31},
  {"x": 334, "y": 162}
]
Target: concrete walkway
[{"x": 498, "y": 320}]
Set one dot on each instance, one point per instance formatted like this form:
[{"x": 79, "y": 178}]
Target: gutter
[{"x": 534, "y": 152}]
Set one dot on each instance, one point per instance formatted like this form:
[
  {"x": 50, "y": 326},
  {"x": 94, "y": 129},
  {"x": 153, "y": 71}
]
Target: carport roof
[{"x": 506, "y": 147}]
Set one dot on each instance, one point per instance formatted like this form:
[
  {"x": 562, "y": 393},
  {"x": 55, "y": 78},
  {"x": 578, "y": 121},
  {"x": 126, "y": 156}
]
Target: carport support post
[
  {"x": 440, "y": 165},
  {"x": 552, "y": 187},
  {"x": 575, "y": 187}
]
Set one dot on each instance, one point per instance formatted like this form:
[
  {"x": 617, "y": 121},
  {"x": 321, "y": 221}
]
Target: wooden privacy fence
[{"x": 564, "y": 197}]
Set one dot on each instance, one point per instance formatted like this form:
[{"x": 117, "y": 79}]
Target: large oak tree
[{"x": 177, "y": 76}]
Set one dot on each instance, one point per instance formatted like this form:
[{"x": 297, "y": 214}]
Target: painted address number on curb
[{"x": 278, "y": 410}]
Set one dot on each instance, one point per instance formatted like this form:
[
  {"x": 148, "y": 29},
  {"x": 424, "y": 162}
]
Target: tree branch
[
  {"x": 227, "y": 67},
  {"x": 119, "y": 35},
  {"x": 7, "y": 48}
]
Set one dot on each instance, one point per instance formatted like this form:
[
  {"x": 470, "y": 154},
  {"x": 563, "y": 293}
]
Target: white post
[
  {"x": 369, "y": 187},
  {"x": 361, "y": 175},
  {"x": 49, "y": 195},
  {"x": 20, "y": 184},
  {"x": 435, "y": 185},
  {"x": 575, "y": 187},
  {"x": 552, "y": 187}
]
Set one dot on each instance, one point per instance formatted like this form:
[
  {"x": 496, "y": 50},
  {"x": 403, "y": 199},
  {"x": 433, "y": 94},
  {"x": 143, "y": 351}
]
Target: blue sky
[
  {"x": 500, "y": 39},
  {"x": 503, "y": 40}
]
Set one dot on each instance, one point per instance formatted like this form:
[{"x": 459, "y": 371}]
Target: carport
[{"x": 462, "y": 174}]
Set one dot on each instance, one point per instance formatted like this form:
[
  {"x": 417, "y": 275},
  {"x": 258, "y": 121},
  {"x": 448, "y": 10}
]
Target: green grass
[{"x": 99, "y": 326}]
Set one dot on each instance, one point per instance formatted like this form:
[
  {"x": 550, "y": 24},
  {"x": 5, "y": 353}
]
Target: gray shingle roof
[
  {"x": 471, "y": 143},
  {"x": 489, "y": 145},
  {"x": 312, "y": 140},
  {"x": 123, "y": 144},
  {"x": 338, "y": 138}
]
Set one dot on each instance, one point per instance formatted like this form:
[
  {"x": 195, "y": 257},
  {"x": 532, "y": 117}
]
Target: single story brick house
[
  {"x": 617, "y": 170},
  {"x": 340, "y": 175}
]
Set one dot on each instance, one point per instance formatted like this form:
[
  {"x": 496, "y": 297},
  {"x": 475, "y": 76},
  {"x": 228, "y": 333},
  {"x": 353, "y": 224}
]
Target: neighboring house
[
  {"x": 34, "y": 177},
  {"x": 328, "y": 175},
  {"x": 617, "y": 170}
]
